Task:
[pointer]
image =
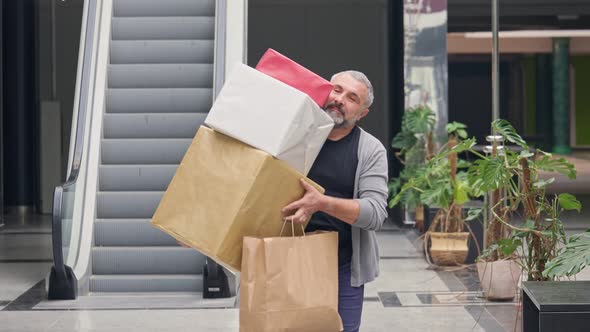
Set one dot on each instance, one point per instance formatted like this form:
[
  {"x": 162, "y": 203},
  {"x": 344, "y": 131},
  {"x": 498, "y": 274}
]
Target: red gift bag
[{"x": 280, "y": 67}]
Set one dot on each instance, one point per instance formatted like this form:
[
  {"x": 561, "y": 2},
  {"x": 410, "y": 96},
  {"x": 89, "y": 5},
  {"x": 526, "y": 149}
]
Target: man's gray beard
[
  {"x": 337, "y": 117},
  {"x": 339, "y": 121}
]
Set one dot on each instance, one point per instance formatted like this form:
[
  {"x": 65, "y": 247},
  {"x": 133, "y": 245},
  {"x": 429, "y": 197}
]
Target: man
[{"x": 352, "y": 167}]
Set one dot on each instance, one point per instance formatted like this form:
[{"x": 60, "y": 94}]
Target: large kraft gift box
[
  {"x": 272, "y": 116},
  {"x": 224, "y": 190}
]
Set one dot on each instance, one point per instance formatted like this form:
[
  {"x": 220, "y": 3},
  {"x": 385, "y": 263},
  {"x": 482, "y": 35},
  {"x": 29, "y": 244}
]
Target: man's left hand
[{"x": 311, "y": 202}]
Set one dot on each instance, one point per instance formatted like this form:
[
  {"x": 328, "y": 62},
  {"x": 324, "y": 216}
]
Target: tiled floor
[
  {"x": 25, "y": 255},
  {"x": 408, "y": 296}
]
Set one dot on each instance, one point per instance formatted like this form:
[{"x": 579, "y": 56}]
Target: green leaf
[
  {"x": 439, "y": 195},
  {"x": 463, "y": 146},
  {"x": 411, "y": 199},
  {"x": 543, "y": 183},
  {"x": 394, "y": 186},
  {"x": 489, "y": 174},
  {"x": 544, "y": 152},
  {"x": 404, "y": 140},
  {"x": 407, "y": 196},
  {"x": 560, "y": 165},
  {"x": 416, "y": 155},
  {"x": 486, "y": 253},
  {"x": 528, "y": 225},
  {"x": 473, "y": 214},
  {"x": 461, "y": 163},
  {"x": 505, "y": 129},
  {"x": 526, "y": 154},
  {"x": 393, "y": 202},
  {"x": 462, "y": 133},
  {"x": 571, "y": 261},
  {"x": 461, "y": 192},
  {"x": 454, "y": 126},
  {"x": 420, "y": 120},
  {"x": 398, "y": 197},
  {"x": 569, "y": 202},
  {"x": 508, "y": 246}
]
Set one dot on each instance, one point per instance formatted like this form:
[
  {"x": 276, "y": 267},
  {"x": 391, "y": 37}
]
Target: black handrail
[{"x": 62, "y": 281}]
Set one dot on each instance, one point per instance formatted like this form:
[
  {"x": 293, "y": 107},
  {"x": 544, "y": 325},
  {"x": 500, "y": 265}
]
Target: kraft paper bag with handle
[
  {"x": 272, "y": 116},
  {"x": 290, "y": 283},
  {"x": 222, "y": 191}
]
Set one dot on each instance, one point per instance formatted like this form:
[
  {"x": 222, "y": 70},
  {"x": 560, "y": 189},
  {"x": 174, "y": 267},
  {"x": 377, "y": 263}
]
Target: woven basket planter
[{"x": 448, "y": 249}]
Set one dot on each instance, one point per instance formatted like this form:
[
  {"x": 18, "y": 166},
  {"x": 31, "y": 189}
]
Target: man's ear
[{"x": 363, "y": 113}]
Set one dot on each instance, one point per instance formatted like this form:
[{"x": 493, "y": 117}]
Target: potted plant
[
  {"x": 518, "y": 195},
  {"x": 415, "y": 142},
  {"x": 442, "y": 182}
]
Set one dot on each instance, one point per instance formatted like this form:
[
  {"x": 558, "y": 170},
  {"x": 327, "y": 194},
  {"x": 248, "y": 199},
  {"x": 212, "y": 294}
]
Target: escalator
[{"x": 149, "y": 73}]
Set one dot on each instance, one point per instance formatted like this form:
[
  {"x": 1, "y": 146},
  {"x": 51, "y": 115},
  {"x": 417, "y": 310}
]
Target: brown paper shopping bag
[
  {"x": 290, "y": 284},
  {"x": 224, "y": 190}
]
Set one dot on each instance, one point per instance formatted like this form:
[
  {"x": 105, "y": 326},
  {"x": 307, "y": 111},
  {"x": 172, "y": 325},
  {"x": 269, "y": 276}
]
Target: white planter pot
[{"x": 499, "y": 280}]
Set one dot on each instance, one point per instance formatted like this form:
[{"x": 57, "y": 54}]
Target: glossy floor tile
[
  {"x": 25, "y": 247},
  {"x": 17, "y": 278},
  {"x": 409, "y": 295}
]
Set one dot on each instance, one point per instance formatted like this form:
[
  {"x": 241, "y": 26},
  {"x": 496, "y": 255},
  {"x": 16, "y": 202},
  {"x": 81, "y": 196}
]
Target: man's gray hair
[{"x": 357, "y": 75}]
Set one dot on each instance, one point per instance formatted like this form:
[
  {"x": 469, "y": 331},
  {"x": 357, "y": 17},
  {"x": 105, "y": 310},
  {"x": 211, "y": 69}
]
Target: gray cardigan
[{"x": 370, "y": 191}]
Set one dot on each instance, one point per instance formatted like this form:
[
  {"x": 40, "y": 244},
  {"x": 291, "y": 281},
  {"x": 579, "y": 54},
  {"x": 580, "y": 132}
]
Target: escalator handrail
[
  {"x": 57, "y": 217},
  {"x": 220, "y": 48},
  {"x": 219, "y": 79}
]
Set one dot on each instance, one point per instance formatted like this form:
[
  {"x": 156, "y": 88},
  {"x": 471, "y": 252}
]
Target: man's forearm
[{"x": 346, "y": 210}]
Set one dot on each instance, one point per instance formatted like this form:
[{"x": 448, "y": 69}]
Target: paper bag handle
[{"x": 292, "y": 227}]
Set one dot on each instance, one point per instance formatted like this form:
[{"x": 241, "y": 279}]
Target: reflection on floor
[
  {"x": 26, "y": 239},
  {"x": 409, "y": 295},
  {"x": 25, "y": 255}
]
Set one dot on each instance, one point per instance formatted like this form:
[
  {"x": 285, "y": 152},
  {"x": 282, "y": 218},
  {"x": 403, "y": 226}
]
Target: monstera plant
[
  {"x": 572, "y": 259},
  {"x": 524, "y": 229}
]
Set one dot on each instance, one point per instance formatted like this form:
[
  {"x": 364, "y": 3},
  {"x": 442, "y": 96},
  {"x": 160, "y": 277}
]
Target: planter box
[{"x": 555, "y": 306}]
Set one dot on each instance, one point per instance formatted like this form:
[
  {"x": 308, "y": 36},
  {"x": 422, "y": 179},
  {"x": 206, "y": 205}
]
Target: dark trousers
[{"x": 350, "y": 300}]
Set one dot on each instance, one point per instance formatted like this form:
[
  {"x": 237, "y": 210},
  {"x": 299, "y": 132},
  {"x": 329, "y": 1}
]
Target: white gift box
[{"x": 272, "y": 116}]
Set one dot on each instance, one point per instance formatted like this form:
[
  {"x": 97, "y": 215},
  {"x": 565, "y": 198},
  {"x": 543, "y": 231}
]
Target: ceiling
[{"x": 475, "y": 15}]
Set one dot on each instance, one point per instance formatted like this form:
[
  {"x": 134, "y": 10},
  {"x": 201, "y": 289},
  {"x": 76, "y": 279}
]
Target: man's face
[{"x": 346, "y": 103}]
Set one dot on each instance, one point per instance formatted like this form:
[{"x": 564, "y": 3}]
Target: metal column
[{"x": 561, "y": 96}]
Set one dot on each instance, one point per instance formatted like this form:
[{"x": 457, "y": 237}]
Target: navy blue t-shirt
[{"x": 335, "y": 170}]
